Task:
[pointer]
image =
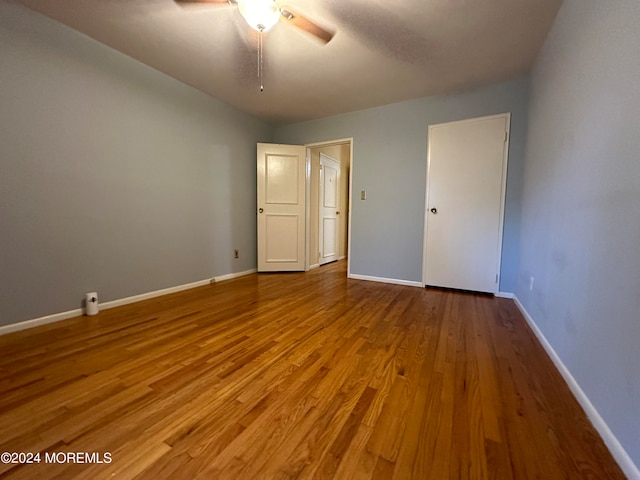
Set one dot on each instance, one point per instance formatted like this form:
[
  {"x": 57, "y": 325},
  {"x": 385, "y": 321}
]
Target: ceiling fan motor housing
[{"x": 261, "y": 15}]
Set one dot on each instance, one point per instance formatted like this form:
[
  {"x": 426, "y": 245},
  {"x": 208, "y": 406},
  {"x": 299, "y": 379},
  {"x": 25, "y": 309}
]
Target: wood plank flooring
[{"x": 284, "y": 376}]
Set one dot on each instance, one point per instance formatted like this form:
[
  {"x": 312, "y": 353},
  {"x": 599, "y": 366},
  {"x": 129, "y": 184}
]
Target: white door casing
[
  {"x": 281, "y": 207},
  {"x": 466, "y": 180},
  {"x": 329, "y": 193}
]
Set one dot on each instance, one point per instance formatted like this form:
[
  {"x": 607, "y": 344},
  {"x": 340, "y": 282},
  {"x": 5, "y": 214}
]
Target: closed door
[
  {"x": 329, "y": 209},
  {"x": 281, "y": 207},
  {"x": 466, "y": 177}
]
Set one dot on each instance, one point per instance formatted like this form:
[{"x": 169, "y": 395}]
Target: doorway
[
  {"x": 340, "y": 151},
  {"x": 288, "y": 204}
]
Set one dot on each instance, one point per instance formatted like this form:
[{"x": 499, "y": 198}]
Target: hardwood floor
[{"x": 284, "y": 376}]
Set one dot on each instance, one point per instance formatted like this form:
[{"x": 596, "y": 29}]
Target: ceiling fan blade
[
  {"x": 298, "y": 20},
  {"x": 203, "y": 2}
]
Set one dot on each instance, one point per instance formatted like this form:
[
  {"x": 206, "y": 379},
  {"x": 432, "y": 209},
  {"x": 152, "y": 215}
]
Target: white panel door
[
  {"x": 281, "y": 207},
  {"x": 466, "y": 177},
  {"x": 329, "y": 209}
]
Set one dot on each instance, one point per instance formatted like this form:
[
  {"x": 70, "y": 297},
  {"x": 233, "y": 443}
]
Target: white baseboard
[
  {"x": 342, "y": 257},
  {"x": 394, "y": 281},
  {"x": 15, "y": 327},
  {"x": 315, "y": 265},
  {"x": 230, "y": 276},
  {"x": 36, "y": 322},
  {"x": 617, "y": 450},
  {"x": 156, "y": 293},
  {"x": 504, "y": 295}
]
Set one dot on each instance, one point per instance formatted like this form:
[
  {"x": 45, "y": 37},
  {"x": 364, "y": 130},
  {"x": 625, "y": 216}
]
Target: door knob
[
  {"x": 260, "y": 210},
  {"x": 434, "y": 211}
]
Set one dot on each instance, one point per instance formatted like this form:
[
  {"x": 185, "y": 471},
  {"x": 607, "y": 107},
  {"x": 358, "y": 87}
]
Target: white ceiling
[{"x": 384, "y": 51}]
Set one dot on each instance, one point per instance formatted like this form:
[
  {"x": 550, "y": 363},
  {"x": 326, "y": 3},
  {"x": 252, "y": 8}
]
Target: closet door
[{"x": 466, "y": 175}]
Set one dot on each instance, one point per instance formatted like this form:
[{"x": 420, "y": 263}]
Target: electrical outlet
[
  {"x": 236, "y": 253},
  {"x": 531, "y": 284},
  {"x": 363, "y": 195},
  {"x": 212, "y": 281}
]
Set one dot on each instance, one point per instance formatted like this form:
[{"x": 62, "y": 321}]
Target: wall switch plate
[
  {"x": 531, "y": 284},
  {"x": 236, "y": 254},
  {"x": 363, "y": 195}
]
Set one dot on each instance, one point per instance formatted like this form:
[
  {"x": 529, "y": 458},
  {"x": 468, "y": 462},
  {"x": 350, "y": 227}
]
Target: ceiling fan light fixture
[{"x": 261, "y": 15}]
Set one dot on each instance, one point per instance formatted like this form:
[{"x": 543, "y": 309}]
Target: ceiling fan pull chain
[{"x": 260, "y": 57}]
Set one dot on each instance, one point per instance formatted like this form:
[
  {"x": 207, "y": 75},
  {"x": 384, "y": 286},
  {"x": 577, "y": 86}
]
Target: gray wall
[
  {"x": 581, "y": 207},
  {"x": 113, "y": 176},
  {"x": 390, "y": 162}
]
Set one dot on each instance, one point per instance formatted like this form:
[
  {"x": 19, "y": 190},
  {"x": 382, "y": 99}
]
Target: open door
[{"x": 281, "y": 207}]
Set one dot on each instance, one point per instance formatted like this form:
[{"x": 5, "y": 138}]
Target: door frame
[
  {"x": 327, "y": 143},
  {"x": 503, "y": 191}
]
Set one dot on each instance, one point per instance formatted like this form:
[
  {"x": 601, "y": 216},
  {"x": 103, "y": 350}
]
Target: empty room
[{"x": 341, "y": 239}]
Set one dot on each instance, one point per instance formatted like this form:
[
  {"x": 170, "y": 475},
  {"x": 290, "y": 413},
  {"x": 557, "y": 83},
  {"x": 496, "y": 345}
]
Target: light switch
[{"x": 363, "y": 195}]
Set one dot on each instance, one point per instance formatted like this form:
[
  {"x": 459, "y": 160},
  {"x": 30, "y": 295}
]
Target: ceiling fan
[{"x": 261, "y": 15}]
